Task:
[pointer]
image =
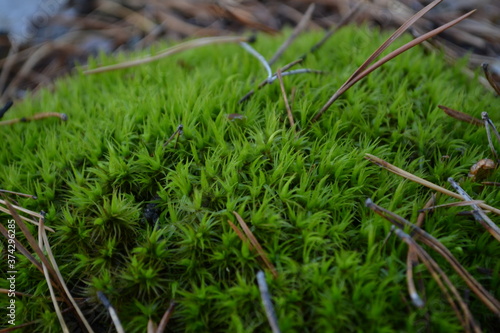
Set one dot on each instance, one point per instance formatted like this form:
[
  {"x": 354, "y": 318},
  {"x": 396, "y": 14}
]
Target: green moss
[{"x": 104, "y": 175}]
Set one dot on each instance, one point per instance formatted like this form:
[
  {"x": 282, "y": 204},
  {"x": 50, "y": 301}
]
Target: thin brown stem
[
  {"x": 400, "y": 172},
  {"x": 295, "y": 33},
  {"x": 285, "y": 98},
  {"x": 484, "y": 295},
  {"x": 354, "y": 79}
]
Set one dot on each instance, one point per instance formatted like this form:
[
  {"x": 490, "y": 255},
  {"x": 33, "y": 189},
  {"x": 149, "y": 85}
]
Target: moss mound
[{"x": 146, "y": 224}]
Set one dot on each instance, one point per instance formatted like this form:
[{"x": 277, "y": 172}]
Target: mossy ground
[{"x": 302, "y": 195}]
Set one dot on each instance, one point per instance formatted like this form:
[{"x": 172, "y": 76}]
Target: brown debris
[{"x": 106, "y": 25}]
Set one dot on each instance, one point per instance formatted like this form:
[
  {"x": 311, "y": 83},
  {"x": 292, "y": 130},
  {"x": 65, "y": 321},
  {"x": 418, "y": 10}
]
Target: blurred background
[{"x": 43, "y": 39}]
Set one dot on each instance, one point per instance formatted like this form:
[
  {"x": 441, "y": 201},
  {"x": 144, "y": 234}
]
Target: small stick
[
  {"x": 287, "y": 105},
  {"x": 392, "y": 38},
  {"x": 60, "y": 317},
  {"x": 461, "y": 116},
  {"x": 465, "y": 317},
  {"x": 411, "y": 261},
  {"x": 477, "y": 212},
  {"x": 400, "y": 172},
  {"x": 260, "y": 57},
  {"x": 256, "y": 244},
  {"x": 172, "y": 50},
  {"x": 452, "y": 204},
  {"x": 241, "y": 235},
  {"x": 45, "y": 264},
  {"x": 44, "y": 244},
  {"x": 491, "y": 183},
  {"x": 298, "y": 29},
  {"x": 489, "y": 77},
  {"x": 484, "y": 295},
  {"x": 488, "y": 123},
  {"x": 335, "y": 28},
  {"x": 112, "y": 312},
  {"x": 166, "y": 317},
  {"x": 266, "y": 301},
  {"x": 20, "y": 194},
  {"x": 362, "y": 74},
  {"x": 177, "y": 132},
  {"x": 37, "y": 116},
  {"x": 422, "y": 214},
  {"x": 24, "y": 210}
]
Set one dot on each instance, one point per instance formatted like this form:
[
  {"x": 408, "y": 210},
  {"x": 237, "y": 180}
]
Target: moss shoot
[{"x": 146, "y": 224}]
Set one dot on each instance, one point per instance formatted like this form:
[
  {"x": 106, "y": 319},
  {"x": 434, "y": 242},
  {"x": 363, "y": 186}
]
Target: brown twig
[
  {"x": 44, "y": 244},
  {"x": 461, "y": 116},
  {"x": 38, "y": 116},
  {"x": 45, "y": 264},
  {"x": 484, "y": 295},
  {"x": 285, "y": 98},
  {"x": 452, "y": 204},
  {"x": 166, "y": 317},
  {"x": 423, "y": 212},
  {"x": 336, "y": 27},
  {"x": 465, "y": 317},
  {"x": 400, "y": 172},
  {"x": 177, "y": 132},
  {"x": 46, "y": 274},
  {"x": 295, "y": 33},
  {"x": 262, "y": 254},
  {"x": 172, "y": 50},
  {"x": 363, "y": 73},
  {"x": 412, "y": 261},
  {"x": 26, "y": 211},
  {"x": 20, "y": 194}
]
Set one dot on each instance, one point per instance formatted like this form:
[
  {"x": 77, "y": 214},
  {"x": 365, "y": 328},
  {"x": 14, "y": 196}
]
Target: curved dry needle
[
  {"x": 461, "y": 116},
  {"x": 172, "y": 50},
  {"x": 20, "y": 194},
  {"x": 354, "y": 79},
  {"x": 449, "y": 290},
  {"x": 295, "y": 33},
  {"x": 260, "y": 57},
  {"x": 285, "y": 99},
  {"x": 335, "y": 28},
  {"x": 411, "y": 262},
  {"x": 483, "y": 294},
  {"x": 402, "y": 173},
  {"x": 177, "y": 132},
  {"x": 38, "y": 116}
]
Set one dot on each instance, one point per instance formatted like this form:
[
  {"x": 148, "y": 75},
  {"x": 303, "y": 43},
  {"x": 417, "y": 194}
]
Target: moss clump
[{"x": 104, "y": 178}]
